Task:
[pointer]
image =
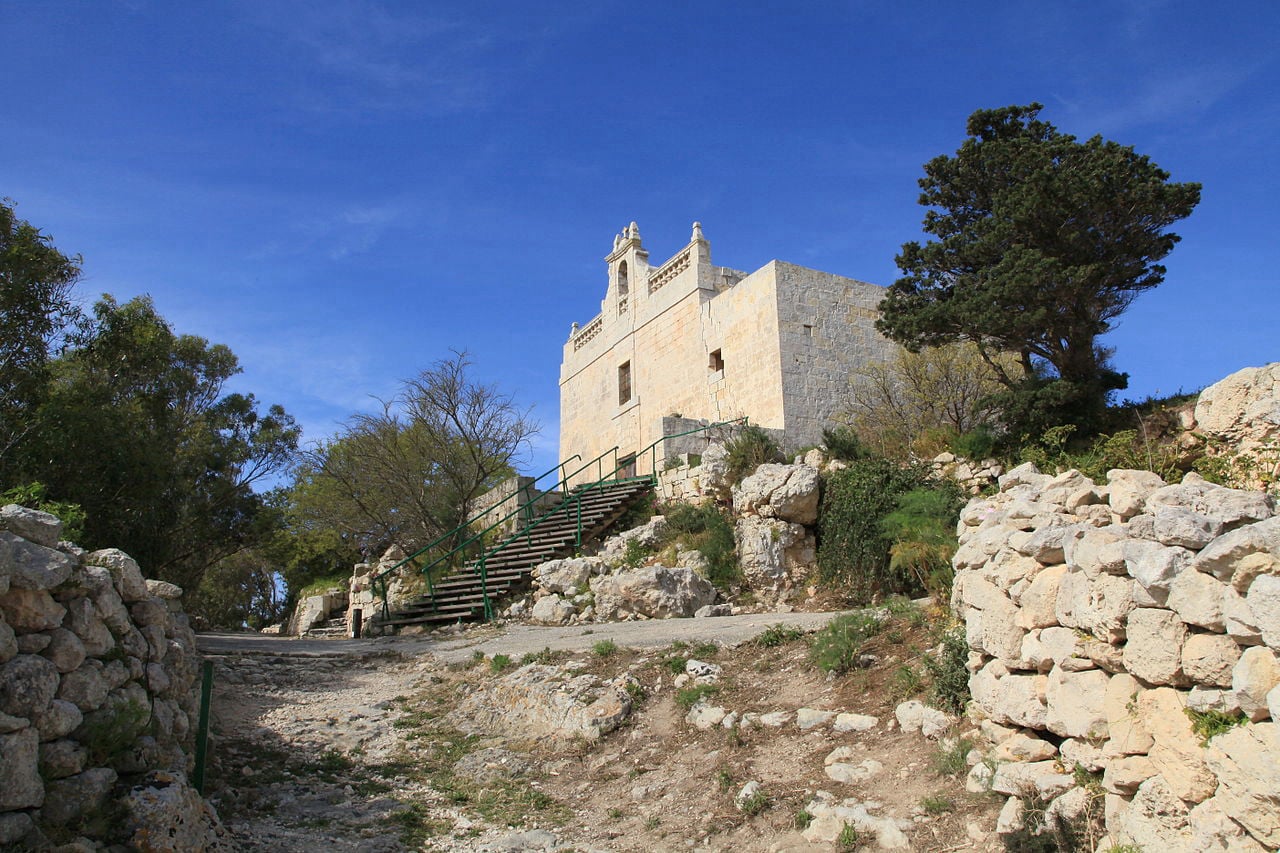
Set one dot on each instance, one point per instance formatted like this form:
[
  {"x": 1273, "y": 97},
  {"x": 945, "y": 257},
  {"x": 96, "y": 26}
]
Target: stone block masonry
[
  {"x": 99, "y": 699},
  {"x": 1132, "y": 629},
  {"x": 693, "y": 341}
]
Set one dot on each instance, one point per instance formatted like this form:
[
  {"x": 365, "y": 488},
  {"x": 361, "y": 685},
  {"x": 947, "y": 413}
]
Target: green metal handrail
[
  {"x": 576, "y": 496},
  {"x": 379, "y": 582},
  {"x": 426, "y": 570}
]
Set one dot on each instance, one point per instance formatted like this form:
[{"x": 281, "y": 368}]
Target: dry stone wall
[
  {"x": 1105, "y": 620},
  {"x": 98, "y": 699}
]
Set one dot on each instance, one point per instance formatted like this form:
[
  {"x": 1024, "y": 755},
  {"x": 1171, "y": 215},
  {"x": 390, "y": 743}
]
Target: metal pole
[{"x": 202, "y": 730}]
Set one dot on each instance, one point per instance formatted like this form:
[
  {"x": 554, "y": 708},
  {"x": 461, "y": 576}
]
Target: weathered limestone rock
[
  {"x": 1099, "y": 551},
  {"x": 30, "y": 610},
  {"x": 854, "y": 723},
  {"x": 1197, "y": 599},
  {"x": 124, "y": 571},
  {"x": 552, "y": 610},
  {"x": 568, "y": 576},
  {"x": 839, "y": 767},
  {"x": 68, "y": 799},
  {"x": 1124, "y": 775},
  {"x": 27, "y": 686},
  {"x": 996, "y": 631},
  {"x": 167, "y": 815},
  {"x": 647, "y": 535},
  {"x": 33, "y": 566},
  {"x": 1155, "y": 820},
  {"x": 831, "y": 816},
  {"x": 1021, "y": 747},
  {"x": 164, "y": 590},
  {"x": 1012, "y": 699},
  {"x": 1210, "y": 658},
  {"x": 1129, "y": 490},
  {"x": 653, "y": 591},
  {"x": 769, "y": 548},
  {"x": 1176, "y": 751},
  {"x": 61, "y": 758},
  {"x": 1213, "y": 829},
  {"x": 1154, "y": 649},
  {"x": 915, "y": 716},
  {"x": 788, "y": 492},
  {"x": 1176, "y": 525},
  {"x": 1254, "y": 675},
  {"x": 540, "y": 701},
  {"x": 811, "y": 718},
  {"x": 703, "y": 716},
  {"x": 33, "y": 525},
  {"x": 85, "y": 688},
  {"x": 1223, "y": 555},
  {"x": 65, "y": 650},
  {"x": 9, "y": 642},
  {"x": 1039, "y": 599},
  {"x": 1246, "y": 762},
  {"x": 1075, "y": 703},
  {"x": 1155, "y": 566},
  {"x": 1264, "y": 603},
  {"x": 19, "y": 768},
  {"x": 1043, "y": 779},
  {"x": 60, "y": 720},
  {"x": 1099, "y": 605}
]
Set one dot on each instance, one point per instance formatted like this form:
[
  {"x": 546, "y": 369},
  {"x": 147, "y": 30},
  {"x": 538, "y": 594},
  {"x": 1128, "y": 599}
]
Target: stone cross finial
[
  {"x": 617, "y": 240},
  {"x": 697, "y": 233},
  {"x": 633, "y": 231}
]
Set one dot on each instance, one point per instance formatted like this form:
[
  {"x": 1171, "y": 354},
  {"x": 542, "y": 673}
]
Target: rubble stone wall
[
  {"x": 1105, "y": 621},
  {"x": 98, "y": 698}
]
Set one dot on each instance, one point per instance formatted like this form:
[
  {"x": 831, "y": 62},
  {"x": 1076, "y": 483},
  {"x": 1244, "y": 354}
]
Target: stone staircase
[
  {"x": 331, "y": 628},
  {"x": 459, "y": 597}
]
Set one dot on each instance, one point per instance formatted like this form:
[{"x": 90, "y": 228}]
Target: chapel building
[{"x": 688, "y": 341}]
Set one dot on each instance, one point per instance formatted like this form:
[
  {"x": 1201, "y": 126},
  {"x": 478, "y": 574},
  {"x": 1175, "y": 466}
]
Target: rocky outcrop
[
  {"x": 1107, "y": 620},
  {"x": 651, "y": 592},
  {"x": 98, "y": 671},
  {"x": 1240, "y": 417},
  {"x": 539, "y": 701}
]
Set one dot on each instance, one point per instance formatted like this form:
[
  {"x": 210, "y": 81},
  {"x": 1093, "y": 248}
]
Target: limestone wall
[
  {"x": 98, "y": 698},
  {"x": 711, "y": 343},
  {"x": 1105, "y": 619}
]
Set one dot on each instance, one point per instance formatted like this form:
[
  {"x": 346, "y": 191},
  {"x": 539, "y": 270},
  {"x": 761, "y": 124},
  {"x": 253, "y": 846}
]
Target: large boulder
[
  {"x": 31, "y": 524},
  {"x": 539, "y": 701},
  {"x": 788, "y": 492},
  {"x": 770, "y": 548},
  {"x": 568, "y": 576},
  {"x": 655, "y": 592},
  {"x": 1244, "y": 408}
]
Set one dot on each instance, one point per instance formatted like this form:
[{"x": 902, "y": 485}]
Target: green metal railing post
[{"x": 202, "y": 729}]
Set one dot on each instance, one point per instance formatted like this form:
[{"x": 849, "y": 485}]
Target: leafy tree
[
  {"x": 412, "y": 472},
  {"x": 36, "y": 306},
  {"x": 936, "y": 393},
  {"x": 134, "y": 427},
  {"x": 1042, "y": 242}
]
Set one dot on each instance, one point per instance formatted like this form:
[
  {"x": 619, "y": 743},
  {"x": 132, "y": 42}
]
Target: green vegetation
[
  {"x": 849, "y": 839},
  {"x": 802, "y": 820},
  {"x": 777, "y": 635},
  {"x": 546, "y": 656},
  {"x": 687, "y": 697},
  {"x": 948, "y": 675},
  {"x": 922, "y": 529},
  {"x": 499, "y": 663},
  {"x": 109, "y": 732},
  {"x": 1042, "y": 242},
  {"x": 706, "y": 529},
  {"x": 937, "y": 804},
  {"x": 951, "y": 758},
  {"x": 604, "y": 648},
  {"x": 36, "y": 496},
  {"x": 748, "y": 450},
  {"x": 1209, "y": 724},
  {"x": 836, "y": 647},
  {"x": 756, "y": 803}
]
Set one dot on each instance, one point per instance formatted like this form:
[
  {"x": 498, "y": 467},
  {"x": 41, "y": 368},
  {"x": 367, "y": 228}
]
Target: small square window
[
  {"x": 624, "y": 383},
  {"x": 716, "y": 364}
]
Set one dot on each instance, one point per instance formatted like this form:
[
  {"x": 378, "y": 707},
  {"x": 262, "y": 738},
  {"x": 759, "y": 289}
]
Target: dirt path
[{"x": 350, "y": 745}]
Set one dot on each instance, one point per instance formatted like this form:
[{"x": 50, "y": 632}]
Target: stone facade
[{"x": 690, "y": 340}]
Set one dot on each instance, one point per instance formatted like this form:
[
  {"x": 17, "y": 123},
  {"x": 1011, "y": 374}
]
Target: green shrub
[
  {"x": 836, "y": 647},
  {"x": 777, "y": 635},
  {"x": 951, "y": 758},
  {"x": 36, "y": 496},
  {"x": 109, "y": 732},
  {"x": 948, "y": 675},
  {"x": 853, "y": 549},
  {"x": 748, "y": 450},
  {"x": 635, "y": 554},
  {"x": 705, "y": 529},
  {"x": 922, "y": 529},
  {"x": 499, "y": 663},
  {"x": 687, "y": 697},
  {"x": 977, "y": 444},
  {"x": 605, "y": 648},
  {"x": 842, "y": 442},
  {"x": 1209, "y": 724}
]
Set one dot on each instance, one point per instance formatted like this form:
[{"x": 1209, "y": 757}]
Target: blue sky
[{"x": 344, "y": 190}]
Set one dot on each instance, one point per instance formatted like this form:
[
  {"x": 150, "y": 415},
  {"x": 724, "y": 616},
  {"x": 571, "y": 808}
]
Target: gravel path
[{"x": 516, "y": 640}]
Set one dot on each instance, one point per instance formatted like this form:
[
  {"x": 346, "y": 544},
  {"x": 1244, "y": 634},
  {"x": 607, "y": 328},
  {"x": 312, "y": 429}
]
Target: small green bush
[
  {"x": 952, "y": 757},
  {"x": 109, "y": 732},
  {"x": 843, "y": 443},
  {"x": 836, "y": 647},
  {"x": 635, "y": 554},
  {"x": 748, "y": 450},
  {"x": 705, "y": 529},
  {"x": 605, "y": 648},
  {"x": 499, "y": 663},
  {"x": 922, "y": 529},
  {"x": 1209, "y": 724},
  {"x": 948, "y": 673},
  {"x": 687, "y": 697},
  {"x": 777, "y": 635},
  {"x": 977, "y": 444}
]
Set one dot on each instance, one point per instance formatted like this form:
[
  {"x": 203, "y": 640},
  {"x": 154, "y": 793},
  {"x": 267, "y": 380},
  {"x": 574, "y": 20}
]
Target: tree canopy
[
  {"x": 1042, "y": 242},
  {"x": 36, "y": 306},
  {"x": 412, "y": 472}
]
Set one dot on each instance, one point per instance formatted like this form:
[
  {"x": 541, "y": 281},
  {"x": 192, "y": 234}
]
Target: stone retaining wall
[
  {"x": 1105, "y": 621},
  {"x": 98, "y": 699}
]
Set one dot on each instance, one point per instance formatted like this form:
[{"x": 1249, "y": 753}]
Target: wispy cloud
[{"x": 1166, "y": 96}]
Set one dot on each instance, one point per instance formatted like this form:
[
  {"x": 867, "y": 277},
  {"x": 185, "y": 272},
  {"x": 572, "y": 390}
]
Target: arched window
[{"x": 623, "y": 287}]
